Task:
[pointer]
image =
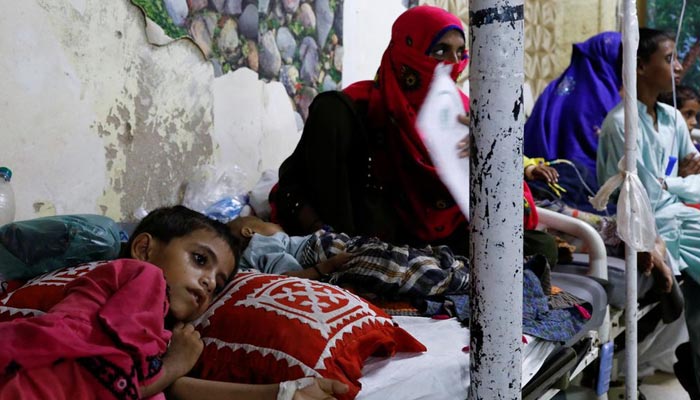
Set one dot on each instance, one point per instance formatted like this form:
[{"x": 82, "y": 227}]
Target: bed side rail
[{"x": 598, "y": 264}]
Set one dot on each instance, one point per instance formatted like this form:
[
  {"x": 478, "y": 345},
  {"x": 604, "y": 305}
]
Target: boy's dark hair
[
  {"x": 168, "y": 223},
  {"x": 683, "y": 94},
  {"x": 649, "y": 40}
]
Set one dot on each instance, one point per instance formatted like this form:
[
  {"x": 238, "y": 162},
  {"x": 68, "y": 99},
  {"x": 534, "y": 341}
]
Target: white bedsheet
[{"x": 440, "y": 373}]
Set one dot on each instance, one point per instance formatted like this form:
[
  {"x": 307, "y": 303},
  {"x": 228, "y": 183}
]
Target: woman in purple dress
[{"x": 567, "y": 116}]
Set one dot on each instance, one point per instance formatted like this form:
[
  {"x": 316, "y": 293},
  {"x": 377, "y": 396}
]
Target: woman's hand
[
  {"x": 463, "y": 146},
  {"x": 321, "y": 389}
]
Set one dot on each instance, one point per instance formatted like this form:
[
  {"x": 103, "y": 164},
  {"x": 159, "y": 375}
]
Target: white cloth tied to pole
[
  {"x": 441, "y": 132},
  {"x": 636, "y": 224}
]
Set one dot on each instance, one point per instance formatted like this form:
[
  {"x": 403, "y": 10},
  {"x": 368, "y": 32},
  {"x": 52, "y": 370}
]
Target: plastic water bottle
[{"x": 7, "y": 197}]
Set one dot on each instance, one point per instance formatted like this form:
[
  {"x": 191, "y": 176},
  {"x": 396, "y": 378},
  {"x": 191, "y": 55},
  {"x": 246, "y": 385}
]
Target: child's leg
[
  {"x": 691, "y": 293},
  {"x": 539, "y": 242}
]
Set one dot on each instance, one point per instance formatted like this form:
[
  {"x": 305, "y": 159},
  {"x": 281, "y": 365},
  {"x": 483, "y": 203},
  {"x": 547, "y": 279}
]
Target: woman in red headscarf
[{"x": 361, "y": 166}]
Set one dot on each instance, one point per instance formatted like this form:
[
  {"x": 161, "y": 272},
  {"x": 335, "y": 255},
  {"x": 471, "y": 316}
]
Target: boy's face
[
  {"x": 196, "y": 267},
  {"x": 656, "y": 71},
  {"x": 690, "y": 110}
]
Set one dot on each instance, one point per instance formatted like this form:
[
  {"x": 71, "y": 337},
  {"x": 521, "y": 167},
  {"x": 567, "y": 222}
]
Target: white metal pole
[
  {"x": 630, "y": 36},
  {"x": 496, "y": 80}
]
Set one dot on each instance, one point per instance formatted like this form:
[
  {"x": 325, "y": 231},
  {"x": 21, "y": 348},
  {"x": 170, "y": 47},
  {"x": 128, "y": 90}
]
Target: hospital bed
[{"x": 443, "y": 371}]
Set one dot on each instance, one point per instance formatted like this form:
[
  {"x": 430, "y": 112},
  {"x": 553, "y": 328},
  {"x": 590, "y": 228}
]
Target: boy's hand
[
  {"x": 184, "y": 349},
  {"x": 335, "y": 263},
  {"x": 689, "y": 165},
  {"x": 321, "y": 389}
]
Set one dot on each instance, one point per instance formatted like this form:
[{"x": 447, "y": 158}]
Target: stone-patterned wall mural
[{"x": 297, "y": 42}]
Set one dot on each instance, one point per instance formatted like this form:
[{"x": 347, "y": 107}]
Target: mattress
[{"x": 442, "y": 372}]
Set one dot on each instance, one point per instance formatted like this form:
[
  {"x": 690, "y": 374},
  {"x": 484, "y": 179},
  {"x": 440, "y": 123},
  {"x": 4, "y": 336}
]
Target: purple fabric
[{"x": 567, "y": 116}]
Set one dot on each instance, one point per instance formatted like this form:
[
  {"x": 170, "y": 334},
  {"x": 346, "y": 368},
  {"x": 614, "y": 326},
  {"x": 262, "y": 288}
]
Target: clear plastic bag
[
  {"x": 259, "y": 195},
  {"x": 636, "y": 224},
  {"x": 217, "y": 192},
  {"x": 635, "y": 221},
  {"x": 33, "y": 247}
]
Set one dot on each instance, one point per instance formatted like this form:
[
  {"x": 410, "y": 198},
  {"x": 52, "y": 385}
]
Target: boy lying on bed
[
  {"x": 365, "y": 263},
  {"x": 107, "y": 338}
]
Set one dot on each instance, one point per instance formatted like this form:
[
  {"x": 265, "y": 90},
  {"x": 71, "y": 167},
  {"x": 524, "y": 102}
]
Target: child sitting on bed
[
  {"x": 365, "y": 263},
  {"x": 109, "y": 338},
  {"x": 687, "y": 102}
]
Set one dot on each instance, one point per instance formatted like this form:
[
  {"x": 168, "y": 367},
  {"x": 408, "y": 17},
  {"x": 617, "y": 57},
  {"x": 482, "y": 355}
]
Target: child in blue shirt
[{"x": 366, "y": 264}]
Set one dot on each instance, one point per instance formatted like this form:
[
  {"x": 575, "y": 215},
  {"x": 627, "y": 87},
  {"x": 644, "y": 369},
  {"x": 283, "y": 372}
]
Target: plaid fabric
[{"x": 389, "y": 270}]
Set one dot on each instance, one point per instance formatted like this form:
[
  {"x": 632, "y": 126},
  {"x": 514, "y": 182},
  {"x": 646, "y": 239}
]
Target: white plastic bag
[
  {"x": 636, "y": 224},
  {"x": 441, "y": 131},
  {"x": 218, "y": 192},
  {"x": 260, "y": 193}
]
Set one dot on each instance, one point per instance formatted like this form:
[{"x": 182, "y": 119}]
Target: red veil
[{"x": 394, "y": 99}]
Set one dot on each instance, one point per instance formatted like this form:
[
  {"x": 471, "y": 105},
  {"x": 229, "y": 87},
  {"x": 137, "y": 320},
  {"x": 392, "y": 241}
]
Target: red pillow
[
  {"x": 272, "y": 328},
  {"x": 39, "y": 294}
]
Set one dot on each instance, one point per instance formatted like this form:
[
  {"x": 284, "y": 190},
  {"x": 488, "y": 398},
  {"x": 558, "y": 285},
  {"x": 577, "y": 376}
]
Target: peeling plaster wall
[{"x": 96, "y": 120}]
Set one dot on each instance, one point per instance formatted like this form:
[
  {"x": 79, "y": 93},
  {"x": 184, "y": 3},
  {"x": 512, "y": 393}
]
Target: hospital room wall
[
  {"x": 552, "y": 27},
  {"x": 96, "y": 120}
]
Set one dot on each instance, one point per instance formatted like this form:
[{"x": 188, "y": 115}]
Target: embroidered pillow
[
  {"x": 272, "y": 328},
  {"x": 39, "y": 294}
]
